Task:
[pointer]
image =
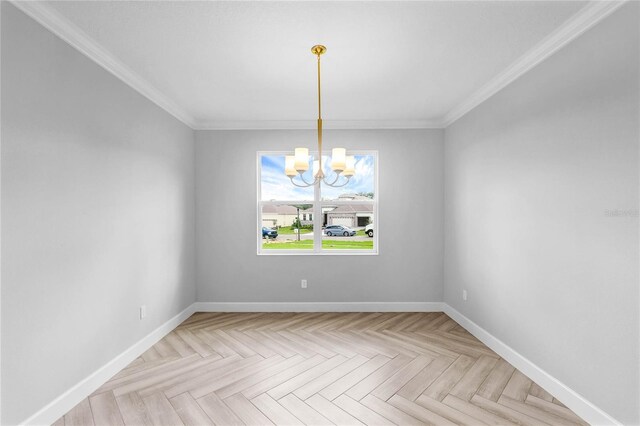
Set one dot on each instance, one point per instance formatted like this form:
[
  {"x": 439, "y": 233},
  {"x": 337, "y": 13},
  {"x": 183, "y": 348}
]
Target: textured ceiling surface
[{"x": 251, "y": 61}]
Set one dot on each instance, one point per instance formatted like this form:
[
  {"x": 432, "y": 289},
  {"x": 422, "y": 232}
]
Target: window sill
[{"x": 323, "y": 253}]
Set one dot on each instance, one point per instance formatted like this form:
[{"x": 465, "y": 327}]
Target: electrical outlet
[
  {"x": 464, "y": 294},
  {"x": 303, "y": 283},
  {"x": 143, "y": 311}
]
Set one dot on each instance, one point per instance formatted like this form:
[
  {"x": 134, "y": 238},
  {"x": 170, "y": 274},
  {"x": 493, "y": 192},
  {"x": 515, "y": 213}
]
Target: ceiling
[{"x": 248, "y": 64}]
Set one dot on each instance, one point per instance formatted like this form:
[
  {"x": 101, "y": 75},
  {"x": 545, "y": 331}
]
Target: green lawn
[
  {"x": 288, "y": 231},
  {"x": 327, "y": 244},
  {"x": 352, "y": 245}
]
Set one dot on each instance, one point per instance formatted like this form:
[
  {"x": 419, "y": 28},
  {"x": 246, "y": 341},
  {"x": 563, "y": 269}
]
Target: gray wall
[
  {"x": 409, "y": 266},
  {"x": 532, "y": 176},
  {"x": 97, "y": 216}
]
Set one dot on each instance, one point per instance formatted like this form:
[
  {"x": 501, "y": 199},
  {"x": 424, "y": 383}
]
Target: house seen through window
[{"x": 319, "y": 219}]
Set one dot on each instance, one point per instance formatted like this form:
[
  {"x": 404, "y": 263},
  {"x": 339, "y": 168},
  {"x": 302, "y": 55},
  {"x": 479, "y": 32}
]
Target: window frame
[{"x": 316, "y": 210}]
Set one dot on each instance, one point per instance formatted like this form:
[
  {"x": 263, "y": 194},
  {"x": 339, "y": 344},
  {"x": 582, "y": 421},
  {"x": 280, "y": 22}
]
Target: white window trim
[{"x": 317, "y": 213}]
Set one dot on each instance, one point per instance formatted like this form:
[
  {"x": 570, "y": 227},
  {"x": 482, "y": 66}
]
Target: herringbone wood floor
[{"x": 319, "y": 368}]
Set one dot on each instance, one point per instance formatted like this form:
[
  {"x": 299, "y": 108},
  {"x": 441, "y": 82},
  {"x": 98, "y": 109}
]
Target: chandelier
[{"x": 343, "y": 165}]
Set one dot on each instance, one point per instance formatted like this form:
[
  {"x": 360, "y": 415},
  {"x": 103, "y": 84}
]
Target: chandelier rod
[
  {"x": 319, "y": 50},
  {"x": 342, "y": 165}
]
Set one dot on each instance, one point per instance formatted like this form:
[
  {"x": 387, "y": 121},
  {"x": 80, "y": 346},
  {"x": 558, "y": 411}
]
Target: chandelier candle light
[{"x": 341, "y": 163}]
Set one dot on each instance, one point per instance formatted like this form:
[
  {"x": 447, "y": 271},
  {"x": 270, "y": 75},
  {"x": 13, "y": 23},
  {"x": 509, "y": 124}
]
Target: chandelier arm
[
  {"x": 305, "y": 185},
  {"x": 333, "y": 185},
  {"x": 316, "y": 179},
  {"x": 338, "y": 174},
  {"x": 324, "y": 179}
]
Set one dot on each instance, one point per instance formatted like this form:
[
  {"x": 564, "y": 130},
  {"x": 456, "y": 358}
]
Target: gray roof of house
[
  {"x": 353, "y": 197},
  {"x": 280, "y": 209},
  {"x": 353, "y": 208}
]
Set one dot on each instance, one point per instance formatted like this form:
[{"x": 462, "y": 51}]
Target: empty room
[{"x": 320, "y": 212}]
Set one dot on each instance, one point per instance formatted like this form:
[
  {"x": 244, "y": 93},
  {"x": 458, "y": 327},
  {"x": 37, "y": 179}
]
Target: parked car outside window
[
  {"x": 269, "y": 233},
  {"x": 337, "y": 230},
  {"x": 369, "y": 230}
]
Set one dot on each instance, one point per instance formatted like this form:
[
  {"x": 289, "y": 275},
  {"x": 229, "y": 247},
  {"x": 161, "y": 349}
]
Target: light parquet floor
[{"x": 316, "y": 369}]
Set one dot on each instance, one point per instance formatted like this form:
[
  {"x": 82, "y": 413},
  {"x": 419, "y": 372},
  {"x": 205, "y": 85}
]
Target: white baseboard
[
  {"x": 319, "y": 307},
  {"x": 576, "y": 402},
  {"x": 65, "y": 402}
]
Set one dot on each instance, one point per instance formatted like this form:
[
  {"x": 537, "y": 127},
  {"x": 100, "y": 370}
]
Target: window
[{"x": 319, "y": 219}]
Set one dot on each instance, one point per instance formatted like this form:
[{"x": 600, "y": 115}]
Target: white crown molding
[
  {"x": 311, "y": 124},
  {"x": 46, "y": 16},
  {"x": 49, "y": 18},
  {"x": 585, "y": 18}
]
